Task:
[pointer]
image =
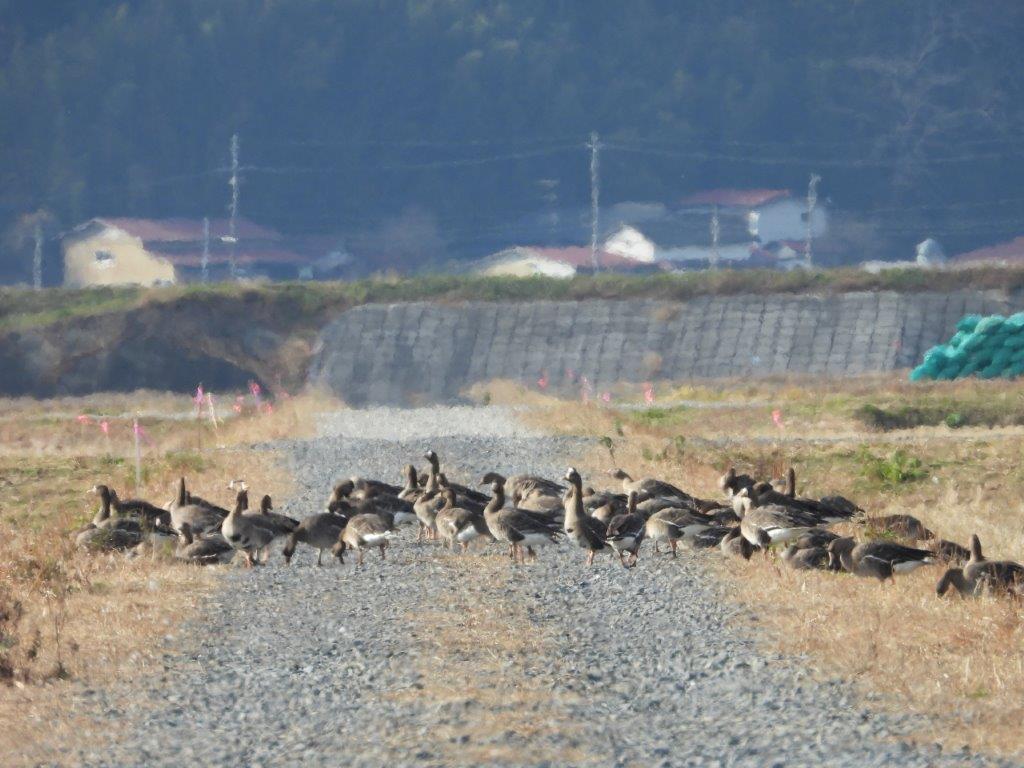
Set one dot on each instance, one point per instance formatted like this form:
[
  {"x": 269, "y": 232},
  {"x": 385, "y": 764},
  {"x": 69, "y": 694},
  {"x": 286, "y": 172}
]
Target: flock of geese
[{"x": 527, "y": 512}]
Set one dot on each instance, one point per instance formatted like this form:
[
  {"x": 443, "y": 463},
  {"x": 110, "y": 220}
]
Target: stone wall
[{"x": 422, "y": 351}]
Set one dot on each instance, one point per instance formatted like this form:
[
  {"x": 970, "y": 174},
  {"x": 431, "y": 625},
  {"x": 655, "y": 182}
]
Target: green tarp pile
[{"x": 989, "y": 347}]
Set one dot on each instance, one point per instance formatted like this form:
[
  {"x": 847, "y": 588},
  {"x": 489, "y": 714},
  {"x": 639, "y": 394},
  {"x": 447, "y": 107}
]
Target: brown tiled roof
[
  {"x": 1009, "y": 252},
  {"x": 176, "y": 230}
]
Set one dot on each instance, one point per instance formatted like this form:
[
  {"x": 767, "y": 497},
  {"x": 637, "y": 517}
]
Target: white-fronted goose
[
  {"x": 625, "y": 533},
  {"x": 950, "y": 552},
  {"x": 516, "y": 527},
  {"x": 675, "y": 523},
  {"x": 732, "y": 483},
  {"x": 995, "y": 577},
  {"x": 781, "y": 524},
  {"x": 320, "y": 531},
  {"x": 520, "y": 487},
  {"x": 734, "y": 544},
  {"x": 459, "y": 525},
  {"x": 907, "y": 526},
  {"x": 411, "y": 489},
  {"x": 426, "y": 508},
  {"x": 807, "y": 558},
  {"x": 877, "y": 559},
  {"x": 585, "y": 531},
  {"x": 362, "y": 532},
  {"x": 243, "y": 532},
  {"x": 282, "y": 525},
  {"x": 199, "y": 517},
  {"x": 204, "y": 551},
  {"x": 817, "y": 537},
  {"x": 649, "y": 487},
  {"x": 461, "y": 491}
]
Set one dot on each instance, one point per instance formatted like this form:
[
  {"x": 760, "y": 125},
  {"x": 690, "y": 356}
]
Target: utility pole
[
  {"x": 205, "y": 260},
  {"x": 595, "y": 184},
  {"x": 716, "y": 231},
  {"x": 37, "y": 259},
  {"x": 233, "y": 183},
  {"x": 812, "y": 202}
]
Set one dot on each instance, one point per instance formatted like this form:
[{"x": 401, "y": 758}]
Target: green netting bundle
[{"x": 989, "y": 347}]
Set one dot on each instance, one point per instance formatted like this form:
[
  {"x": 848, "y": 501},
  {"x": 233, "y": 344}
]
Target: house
[
  {"x": 1009, "y": 254},
  {"x": 528, "y": 261},
  {"x": 769, "y": 214},
  {"x": 756, "y": 227},
  {"x": 124, "y": 251}
]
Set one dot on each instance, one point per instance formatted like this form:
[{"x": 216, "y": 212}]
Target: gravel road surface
[{"x": 431, "y": 658}]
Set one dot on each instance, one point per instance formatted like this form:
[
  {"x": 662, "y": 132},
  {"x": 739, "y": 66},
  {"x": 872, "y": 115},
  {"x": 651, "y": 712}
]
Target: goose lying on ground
[
  {"x": 362, "y": 532},
  {"x": 625, "y": 532},
  {"x": 906, "y": 526},
  {"x": 980, "y": 573},
  {"x": 950, "y": 552},
  {"x": 734, "y": 544},
  {"x": 878, "y": 559},
  {"x": 648, "y": 487},
  {"x": 320, "y": 531},
  {"x": 806, "y": 559},
  {"x": 204, "y": 551}
]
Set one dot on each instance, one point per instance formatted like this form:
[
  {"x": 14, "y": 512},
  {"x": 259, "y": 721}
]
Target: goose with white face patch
[
  {"x": 320, "y": 531},
  {"x": 458, "y": 526},
  {"x": 516, "y": 527},
  {"x": 586, "y": 531},
  {"x": 625, "y": 533}
]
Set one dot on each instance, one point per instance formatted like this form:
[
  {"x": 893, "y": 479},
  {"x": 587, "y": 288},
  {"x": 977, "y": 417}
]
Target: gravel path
[{"x": 431, "y": 658}]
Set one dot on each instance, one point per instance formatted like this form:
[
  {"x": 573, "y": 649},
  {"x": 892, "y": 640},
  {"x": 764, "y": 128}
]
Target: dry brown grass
[
  {"x": 960, "y": 662},
  {"x": 96, "y": 618}
]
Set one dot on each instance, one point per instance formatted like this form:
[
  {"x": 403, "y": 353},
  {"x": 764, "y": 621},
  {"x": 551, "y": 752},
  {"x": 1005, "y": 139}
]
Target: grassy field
[
  {"x": 960, "y": 662},
  {"x": 300, "y": 303},
  {"x": 92, "y": 618}
]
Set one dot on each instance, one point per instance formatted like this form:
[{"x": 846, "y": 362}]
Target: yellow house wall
[{"x": 132, "y": 265}]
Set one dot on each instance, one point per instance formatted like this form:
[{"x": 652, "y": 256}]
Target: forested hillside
[{"x": 457, "y": 119}]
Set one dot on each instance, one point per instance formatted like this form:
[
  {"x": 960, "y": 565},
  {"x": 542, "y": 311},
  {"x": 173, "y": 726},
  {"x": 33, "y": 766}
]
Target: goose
[
  {"x": 625, "y": 532},
  {"x": 244, "y": 532},
  {"x": 807, "y": 558},
  {"x": 907, "y": 526},
  {"x": 781, "y": 524},
  {"x": 879, "y": 559},
  {"x": 950, "y": 552},
  {"x": 586, "y": 531},
  {"x": 732, "y": 483},
  {"x": 363, "y": 531},
  {"x": 265, "y": 515},
  {"x": 458, "y": 525},
  {"x": 342, "y": 490},
  {"x": 734, "y": 544},
  {"x": 711, "y": 537},
  {"x": 1001, "y": 574},
  {"x": 838, "y": 507},
  {"x": 1003, "y": 577},
  {"x": 648, "y": 487},
  {"x": 522, "y": 486},
  {"x": 763, "y": 494},
  {"x": 205, "y": 551},
  {"x": 105, "y": 533},
  {"x": 516, "y": 527},
  {"x": 143, "y": 510},
  {"x": 817, "y": 537},
  {"x": 320, "y": 531},
  {"x": 402, "y": 511},
  {"x": 426, "y": 508},
  {"x": 411, "y": 489},
  {"x": 200, "y": 518},
  {"x": 461, "y": 490},
  {"x": 675, "y": 523},
  {"x": 185, "y": 497}
]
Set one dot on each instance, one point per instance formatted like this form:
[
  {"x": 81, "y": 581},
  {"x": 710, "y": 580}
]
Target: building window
[{"x": 104, "y": 259}]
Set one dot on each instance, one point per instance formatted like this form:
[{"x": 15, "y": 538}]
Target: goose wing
[
  {"x": 891, "y": 552},
  {"x": 625, "y": 527}
]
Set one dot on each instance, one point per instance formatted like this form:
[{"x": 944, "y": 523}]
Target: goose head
[
  {"x": 431, "y": 456},
  {"x": 574, "y": 479},
  {"x": 619, "y": 474},
  {"x": 726, "y": 481},
  {"x": 266, "y": 504},
  {"x": 242, "y": 501},
  {"x": 742, "y": 502},
  {"x": 490, "y": 477},
  {"x": 409, "y": 472},
  {"x": 343, "y": 490}
]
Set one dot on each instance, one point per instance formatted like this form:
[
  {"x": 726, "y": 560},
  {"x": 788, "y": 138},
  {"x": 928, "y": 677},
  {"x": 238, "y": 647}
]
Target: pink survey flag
[
  {"x": 105, "y": 427},
  {"x": 777, "y": 418},
  {"x": 606, "y": 396},
  {"x": 239, "y": 404},
  {"x": 542, "y": 382},
  {"x": 82, "y": 418},
  {"x": 584, "y": 389},
  {"x": 648, "y": 392}
]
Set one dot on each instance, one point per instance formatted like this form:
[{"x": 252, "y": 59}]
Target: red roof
[
  {"x": 579, "y": 256},
  {"x": 186, "y": 230},
  {"x": 737, "y": 198},
  {"x": 1011, "y": 252}
]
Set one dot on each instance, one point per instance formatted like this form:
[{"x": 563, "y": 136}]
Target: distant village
[{"x": 720, "y": 228}]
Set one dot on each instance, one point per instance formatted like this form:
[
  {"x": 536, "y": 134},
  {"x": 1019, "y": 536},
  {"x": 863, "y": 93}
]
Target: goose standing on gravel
[
  {"x": 878, "y": 559},
  {"x": 458, "y": 525},
  {"x": 362, "y": 532},
  {"x": 625, "y": 533},
  {"x": 516, "y": 527},
  {"x": 586, "y": 531},
  {"x": 675, "y": 523},
  {"x": 426, "y": 508},
  {"x": 320, "y": 531},
  {"x": 243, "y": 532}
]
